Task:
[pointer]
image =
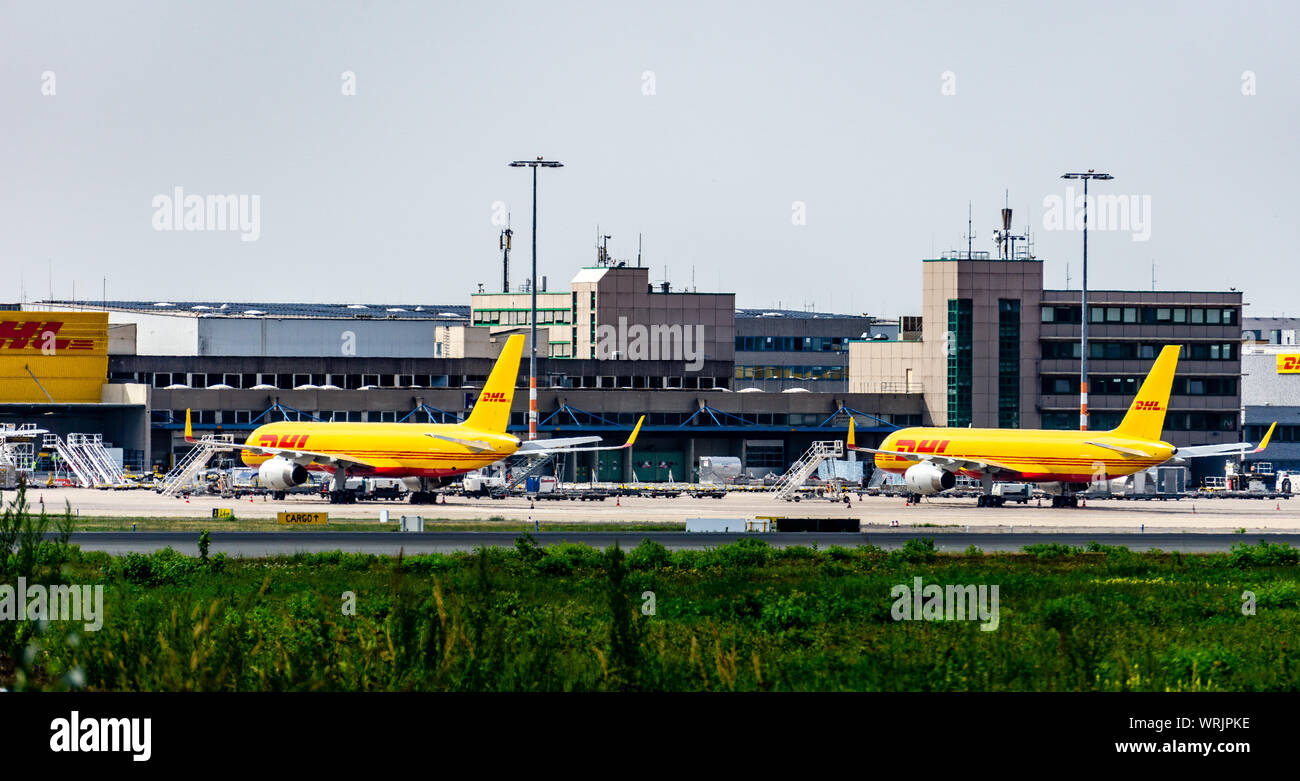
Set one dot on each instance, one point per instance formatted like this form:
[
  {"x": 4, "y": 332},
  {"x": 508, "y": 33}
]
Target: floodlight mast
[
  {"x": 532, "y": 286},
  {"x": 1083, "y": 311}
]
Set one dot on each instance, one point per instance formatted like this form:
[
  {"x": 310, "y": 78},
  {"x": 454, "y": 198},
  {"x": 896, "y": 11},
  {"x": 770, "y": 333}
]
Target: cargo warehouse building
[{"x": 1270, "y": 363}]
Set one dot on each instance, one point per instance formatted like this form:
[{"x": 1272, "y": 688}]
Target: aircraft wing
[
  {"x": 1127, "y": 451},
  {"x": 303, "y": 457},
  {"x": 551, "y": 446},
  {"x": 475, "y": 445},
  {"x": 555, "y": 444},
  {"x": 1201, "y": 451}
]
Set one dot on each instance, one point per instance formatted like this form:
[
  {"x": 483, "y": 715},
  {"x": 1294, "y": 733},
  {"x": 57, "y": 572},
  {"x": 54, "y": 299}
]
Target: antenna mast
[{"x": 505, "y": 255}]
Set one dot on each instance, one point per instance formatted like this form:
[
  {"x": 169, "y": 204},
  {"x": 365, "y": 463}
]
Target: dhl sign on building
[
  {"x": 59, "y": 357},
  {"x": 1288, "y": 364}
]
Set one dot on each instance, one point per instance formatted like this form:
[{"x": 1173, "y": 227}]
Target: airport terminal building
[{"x": 991, "y": 347}]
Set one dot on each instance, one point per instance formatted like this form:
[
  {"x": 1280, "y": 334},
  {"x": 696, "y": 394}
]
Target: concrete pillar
[{"x": 689, "y": 466}]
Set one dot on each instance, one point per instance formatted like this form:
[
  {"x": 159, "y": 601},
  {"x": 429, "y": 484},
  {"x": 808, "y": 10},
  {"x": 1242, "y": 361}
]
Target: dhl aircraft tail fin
[
  {"x": 491, "y": 412},
  {"x": 1145, "y": 418}
]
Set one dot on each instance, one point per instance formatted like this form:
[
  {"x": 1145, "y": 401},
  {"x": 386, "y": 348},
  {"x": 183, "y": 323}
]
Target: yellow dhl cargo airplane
[
  {"x": 425, "y": 455},
  {"x": 1061, "y": 462}
]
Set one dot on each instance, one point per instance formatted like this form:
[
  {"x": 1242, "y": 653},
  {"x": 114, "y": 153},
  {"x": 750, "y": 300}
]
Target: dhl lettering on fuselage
[{"x": 1036, "y": 455}]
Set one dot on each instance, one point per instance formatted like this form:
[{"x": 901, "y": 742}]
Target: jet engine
[
  {"x": 926, "y": 478},
  {"x": 281, "y": 474}
]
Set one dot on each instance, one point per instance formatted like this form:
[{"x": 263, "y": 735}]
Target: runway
[{"x": 261, "y": 544}]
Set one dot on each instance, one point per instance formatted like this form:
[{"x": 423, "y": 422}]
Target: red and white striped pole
[{"x": 532, "y": 407}]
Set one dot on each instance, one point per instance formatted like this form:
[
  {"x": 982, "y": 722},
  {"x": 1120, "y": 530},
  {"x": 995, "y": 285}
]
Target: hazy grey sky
[{"x": 387, "y": 195}]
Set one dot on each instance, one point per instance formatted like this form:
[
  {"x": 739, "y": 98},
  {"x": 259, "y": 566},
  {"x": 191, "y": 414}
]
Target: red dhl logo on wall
[
  {"x": 1288, "y": 364},
  {"x": 296, "y": 442},
  {"x": 492, "y": 397},
  {"x": 38, "y": 335},
  {"x": 1147, "y": 406},
  {"x": 920, "y": 446}
]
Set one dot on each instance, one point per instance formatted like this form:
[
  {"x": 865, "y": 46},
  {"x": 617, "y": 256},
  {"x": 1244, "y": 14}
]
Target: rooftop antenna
[
  {"x": 970, "y": 231},
  {"x": 1029, "y": 237},
  {"x": 1153, "y": 274},
  {"x": 638, "y": 250},
  {"x": 1067, "y": 276},
  {"x": 505, "y": 256},
  {"x": 1005, "y": 239}
]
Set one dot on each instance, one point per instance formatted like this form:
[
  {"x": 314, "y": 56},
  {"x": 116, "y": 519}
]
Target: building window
[
  {"x": 1008, "y": 363},
  {"x": 959, "y": 339}
]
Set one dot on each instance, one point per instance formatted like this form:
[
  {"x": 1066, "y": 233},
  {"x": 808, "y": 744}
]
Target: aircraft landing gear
[
  {"x": 1065, "y": 501},
  {"x": 987, "y": 499},
  {"x": 424, "y": 497},
  {"x": 339, "y": 492}
]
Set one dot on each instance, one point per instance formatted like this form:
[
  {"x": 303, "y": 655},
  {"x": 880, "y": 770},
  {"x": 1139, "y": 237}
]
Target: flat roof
[
  {"x": 799, "y": 314},
  {"x": 218, "y": 308}
]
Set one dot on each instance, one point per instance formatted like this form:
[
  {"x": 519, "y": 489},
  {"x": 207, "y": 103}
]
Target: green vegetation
[{"x": 739, "y": 617}]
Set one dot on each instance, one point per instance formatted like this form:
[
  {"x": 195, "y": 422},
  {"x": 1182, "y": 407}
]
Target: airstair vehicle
[
  {"x": 788, "y": 485},
  {"x": 194, "y": 462}
]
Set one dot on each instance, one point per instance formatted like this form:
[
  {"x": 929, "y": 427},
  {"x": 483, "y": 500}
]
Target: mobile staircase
[
  {"x": 194, "y": 462},
  {"x": 787, "y": 485}
]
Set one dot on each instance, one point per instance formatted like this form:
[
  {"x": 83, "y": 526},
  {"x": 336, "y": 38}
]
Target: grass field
[{"x": 568, "y": 617}]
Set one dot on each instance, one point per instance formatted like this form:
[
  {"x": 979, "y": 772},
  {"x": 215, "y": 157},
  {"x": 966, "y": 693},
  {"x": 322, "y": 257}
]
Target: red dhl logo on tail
[
  {"x": 920, "y": 446},
  {"x": 492, "y": 397},
  {"x": 35, "y": 335},
  {"x": 296, "y": 442},
  {"x": 1147, "y": 406}
]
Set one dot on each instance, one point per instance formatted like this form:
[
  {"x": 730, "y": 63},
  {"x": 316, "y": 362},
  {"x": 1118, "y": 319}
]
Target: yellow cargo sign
[
  {"x": 53, "y": 356},
  {"x": 302, "y": 519},
  {"x": 223, "y": 513},
  {"x": 1288, "y": 364}
]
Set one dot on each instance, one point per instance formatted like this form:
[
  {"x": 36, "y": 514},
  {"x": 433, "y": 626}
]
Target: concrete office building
[
  {"x": 973, "y": 364},
  {"x": 997, "y": 350}
]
